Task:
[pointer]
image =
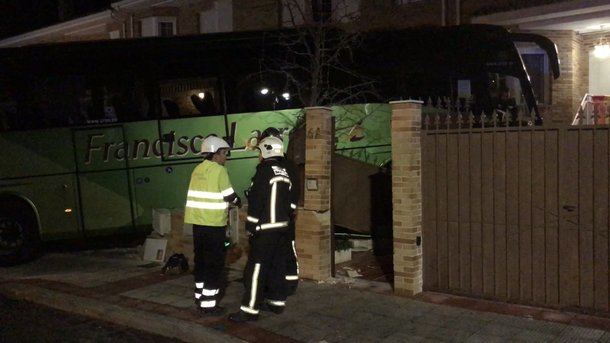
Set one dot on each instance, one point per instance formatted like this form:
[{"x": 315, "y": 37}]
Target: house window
[
  {"x": 158, "y": 27},
  {"x": 166, "y": 29}
]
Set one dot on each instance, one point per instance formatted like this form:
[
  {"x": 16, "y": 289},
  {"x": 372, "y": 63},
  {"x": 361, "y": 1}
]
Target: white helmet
[
  {"x": 271, "y": 147},
  {"x": 211, "y": 144}
]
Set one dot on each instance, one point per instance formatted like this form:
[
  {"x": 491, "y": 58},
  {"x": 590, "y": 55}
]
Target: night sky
[{"x": 19, "y": 16}]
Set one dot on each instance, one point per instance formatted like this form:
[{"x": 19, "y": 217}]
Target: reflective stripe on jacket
[
  {"x": 209, "y": 191},
  {"x": 269, "y": 196}
]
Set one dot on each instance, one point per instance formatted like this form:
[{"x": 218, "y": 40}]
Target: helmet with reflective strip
[
  {"x": 271, "y": 147},
  {"x": 271, "y": 132},
  {"x": 211, "y": 144}
]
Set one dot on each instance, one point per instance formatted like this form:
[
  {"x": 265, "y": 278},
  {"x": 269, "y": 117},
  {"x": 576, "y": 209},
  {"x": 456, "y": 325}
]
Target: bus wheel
[{"x": 19, "y": 240}]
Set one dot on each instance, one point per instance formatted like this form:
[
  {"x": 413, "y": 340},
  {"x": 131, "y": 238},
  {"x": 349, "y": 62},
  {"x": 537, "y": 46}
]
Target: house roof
[
  {"x": 93, "y": 23},
  {"x": 584, "y": 16}
]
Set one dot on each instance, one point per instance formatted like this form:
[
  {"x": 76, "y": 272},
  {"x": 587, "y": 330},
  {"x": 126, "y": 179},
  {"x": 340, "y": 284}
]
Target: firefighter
[
  {"x": 289, "y": 253},
  {"x": 209, "y": 196},
  {"x": 268, "y": 219}
]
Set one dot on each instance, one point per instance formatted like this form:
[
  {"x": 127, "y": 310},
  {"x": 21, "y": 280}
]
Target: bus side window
[{"x": 193, "y": 96}]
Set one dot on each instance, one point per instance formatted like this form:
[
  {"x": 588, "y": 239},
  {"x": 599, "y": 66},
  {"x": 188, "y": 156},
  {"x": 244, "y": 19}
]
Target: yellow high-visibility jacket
[{"x": 209, "y": 195}]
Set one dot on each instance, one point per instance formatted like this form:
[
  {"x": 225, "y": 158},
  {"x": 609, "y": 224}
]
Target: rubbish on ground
[
  {"x": 154, "y": 249},
  {"x": 353, "y": 273}
]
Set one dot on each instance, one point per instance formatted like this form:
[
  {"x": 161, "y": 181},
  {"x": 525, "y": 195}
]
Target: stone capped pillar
[
  {"x": 313, "y": 220},
  {"x": 407, "y": 196}
]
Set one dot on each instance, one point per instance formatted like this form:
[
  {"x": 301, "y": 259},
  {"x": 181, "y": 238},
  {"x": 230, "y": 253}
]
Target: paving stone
[
  {"x": 499, "y": 330},
  {"x": 571, "y": 339},
  {"x": 320, "y": 311},
  {"x": 533, "y": 336},
  {"x": 465, "y": 324},
  {"x": 584, "y": 333},
  {"x": 481, "y": 338},
  {"x": 402, "y": 337},
  {"x": 303, "y": 333},
  {"x": 535, "y": 325}
]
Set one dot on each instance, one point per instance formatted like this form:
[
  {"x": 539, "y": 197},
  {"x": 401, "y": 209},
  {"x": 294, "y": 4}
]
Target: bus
[{"x": 95, "y": 135}]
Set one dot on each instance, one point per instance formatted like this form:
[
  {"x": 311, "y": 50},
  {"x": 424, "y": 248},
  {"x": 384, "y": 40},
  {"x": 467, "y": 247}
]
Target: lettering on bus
[{"x": 137, "y": 149}]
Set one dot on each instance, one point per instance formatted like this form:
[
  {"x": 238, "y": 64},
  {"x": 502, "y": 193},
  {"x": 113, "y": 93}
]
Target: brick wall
[
  {"x": 255, "y": 14},
  {"x": 407, "y": 196},
  {"x": 313, "y": 220},
  {"x": 385, "y": 13}
]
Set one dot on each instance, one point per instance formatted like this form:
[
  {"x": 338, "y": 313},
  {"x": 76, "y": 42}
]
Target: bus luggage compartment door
[{"x": 103, "y": 180}]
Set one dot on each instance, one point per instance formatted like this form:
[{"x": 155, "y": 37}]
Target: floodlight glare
[
  {"x": 286, "y": 95},
  {"x": 264, "y": 91},
  {"x": 201, "y": 95}
]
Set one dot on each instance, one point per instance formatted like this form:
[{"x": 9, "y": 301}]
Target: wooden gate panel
[
  {"x": 585, "y": 225},
  {"x": 525, "y": 215},
  {"x": 600, "y": 208},
  {"x": 487, "y": 198},
  {"x": 453, "y": 237},
  {"x": 518, "y": 214},
  {"x": 464, "y": 211},
  {"x": 551, "y": 206},
  {"x": 568, "y": 225},
  {"x": 538, "y": 217},
  {"x": 441, "y": 210},
  {"x": 429, "y": 170},
  {"x": 499, "y": 189},
  {"x": 476, "y": 216},
  {"x": 512, "y": 215}
]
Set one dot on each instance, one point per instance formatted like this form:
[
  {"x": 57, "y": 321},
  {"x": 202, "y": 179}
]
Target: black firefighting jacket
[{"x": 270, "y": 197}]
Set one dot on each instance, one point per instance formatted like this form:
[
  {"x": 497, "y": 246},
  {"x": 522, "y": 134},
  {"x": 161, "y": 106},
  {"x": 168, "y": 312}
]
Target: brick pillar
[
  {"x": 313, "y": 220},
  {"x": 407, "y": 196}
]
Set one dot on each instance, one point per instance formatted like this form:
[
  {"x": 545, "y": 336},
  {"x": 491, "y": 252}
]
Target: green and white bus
[{"x": 94, "y": 135}]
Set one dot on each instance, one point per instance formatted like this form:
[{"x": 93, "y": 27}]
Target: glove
[{"x": 237, "y": 202}]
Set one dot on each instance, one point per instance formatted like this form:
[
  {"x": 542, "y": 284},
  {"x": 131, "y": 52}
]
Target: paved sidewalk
[{"x": 115, "y": 286}]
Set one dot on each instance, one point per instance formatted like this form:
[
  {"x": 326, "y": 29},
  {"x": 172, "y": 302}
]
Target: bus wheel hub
[{"x": 11, "y": 235}]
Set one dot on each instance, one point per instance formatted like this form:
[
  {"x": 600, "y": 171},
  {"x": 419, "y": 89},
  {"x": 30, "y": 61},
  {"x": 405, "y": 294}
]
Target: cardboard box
[
  {"x": 155, "y": 249},
  {"x": 162, "y": 221}
]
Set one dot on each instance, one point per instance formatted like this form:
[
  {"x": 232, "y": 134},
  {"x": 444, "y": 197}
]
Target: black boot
[
  {"x": 242, "y": 317},
  {"x": 272, "y": 308}
]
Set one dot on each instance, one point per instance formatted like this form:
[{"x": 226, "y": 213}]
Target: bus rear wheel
[{"x": 19, "y": 240}]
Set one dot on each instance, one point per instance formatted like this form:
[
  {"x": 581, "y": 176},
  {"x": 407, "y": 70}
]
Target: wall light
[
  {"x": 286, "y": 95},
  {"x": 602, "y": 48},
  {"x": 264, "y": 91}
]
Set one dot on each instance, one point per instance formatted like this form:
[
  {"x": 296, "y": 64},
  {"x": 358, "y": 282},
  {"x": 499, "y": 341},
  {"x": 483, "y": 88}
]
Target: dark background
[{"x": 19, "y": 16}]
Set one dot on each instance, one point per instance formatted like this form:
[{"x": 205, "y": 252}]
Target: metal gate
[{"x": 517, "y": 213}]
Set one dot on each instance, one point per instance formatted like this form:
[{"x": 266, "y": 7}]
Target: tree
[{"x": 318, "y": 45}]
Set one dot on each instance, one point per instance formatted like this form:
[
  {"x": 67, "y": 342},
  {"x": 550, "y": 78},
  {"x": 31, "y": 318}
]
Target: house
[{"x": 575, "y": 26}]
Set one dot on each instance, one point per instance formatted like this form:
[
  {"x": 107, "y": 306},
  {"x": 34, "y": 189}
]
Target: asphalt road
[{"x": 22, "y": 321}]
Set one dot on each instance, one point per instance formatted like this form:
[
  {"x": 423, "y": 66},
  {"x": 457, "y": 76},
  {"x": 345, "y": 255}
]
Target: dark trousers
[
  {"x": 210, "y": 253},
  {"x": 292, "y": 264},
  {"x": 264, "y": 275}
]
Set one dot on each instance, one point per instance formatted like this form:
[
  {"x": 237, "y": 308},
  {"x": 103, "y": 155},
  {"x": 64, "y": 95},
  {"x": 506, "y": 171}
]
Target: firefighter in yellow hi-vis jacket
[{"x": 209, "y": 196}]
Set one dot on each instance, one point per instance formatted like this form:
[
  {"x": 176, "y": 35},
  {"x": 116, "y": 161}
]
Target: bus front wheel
[{"x": 19, "y": 239}]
